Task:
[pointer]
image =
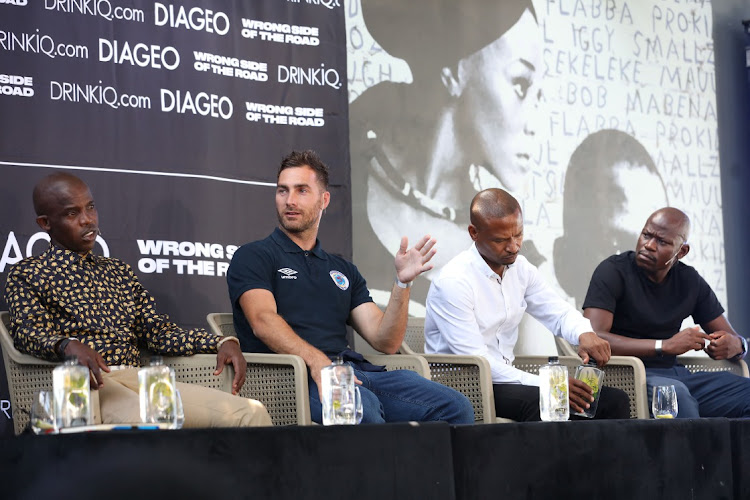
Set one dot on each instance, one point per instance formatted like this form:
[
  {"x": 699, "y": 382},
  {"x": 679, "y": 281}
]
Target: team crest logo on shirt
[
  {"x": 340, "y": 279},
  {"x": 288, "y": 274}
]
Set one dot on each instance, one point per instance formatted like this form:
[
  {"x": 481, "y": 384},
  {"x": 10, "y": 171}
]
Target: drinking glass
[
  {"x": 179, "y": 412},
  {"x": 594, "y": 378},
  {"x": 43, "y": 413},
  {"x": 358, "y": 411},
  {"x": 664, "y": 402}
]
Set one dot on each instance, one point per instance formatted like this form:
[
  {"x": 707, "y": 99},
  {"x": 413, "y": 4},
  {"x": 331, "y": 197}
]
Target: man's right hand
[
  {"x": 593, "y": 346},
  {"x": 689, "y": 339},
  {"x": 89, "y": 358}
]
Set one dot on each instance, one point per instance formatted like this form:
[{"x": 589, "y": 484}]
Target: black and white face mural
[{"x": 593, "y": 114}]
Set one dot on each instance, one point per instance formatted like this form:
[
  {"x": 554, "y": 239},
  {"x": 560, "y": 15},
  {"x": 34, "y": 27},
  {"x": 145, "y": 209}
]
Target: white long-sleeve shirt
[{"x": 472, "y": 310}]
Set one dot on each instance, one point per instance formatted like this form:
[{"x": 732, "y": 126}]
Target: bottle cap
[{"x": 155, "y": 360}]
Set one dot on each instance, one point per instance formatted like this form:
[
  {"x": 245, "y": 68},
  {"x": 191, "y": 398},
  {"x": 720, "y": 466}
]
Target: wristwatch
[
  {"x": 657, "y": 347},
  {"x": 741, "y": 355},
  {"x": 60, "y": 349},
  {"x": 401, "y": 284}
]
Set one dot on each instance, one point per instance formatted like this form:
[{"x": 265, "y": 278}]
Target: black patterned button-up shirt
[{"x": 97, "y": 300}]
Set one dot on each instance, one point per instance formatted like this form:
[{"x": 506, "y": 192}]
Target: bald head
[
  {"x": 492, "y": 204},
  {"x": 49, "y": 191},
  {"x": 673, "y": 219}
]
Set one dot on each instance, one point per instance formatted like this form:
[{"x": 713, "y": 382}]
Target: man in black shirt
[
  {"x": 290, "y": 296},
  {"x": 638, "y": 300}
]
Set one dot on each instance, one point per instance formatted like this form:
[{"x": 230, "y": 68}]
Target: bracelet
[
  {"x": 657, "y": 347},
  {"x": 233, "y": 339},
  {"x": 401, "y": 284}
]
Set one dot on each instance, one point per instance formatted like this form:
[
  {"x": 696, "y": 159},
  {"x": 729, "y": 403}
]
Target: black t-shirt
[
  {"x": 646, "y": 310},
  {"x": 314, "y": 291}
]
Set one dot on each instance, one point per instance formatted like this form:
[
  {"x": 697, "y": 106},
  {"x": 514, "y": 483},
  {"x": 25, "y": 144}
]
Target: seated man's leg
[
  {"x": 372, "y": 409},
  {"x": 687, "y": 405},
  {"x": 407, "y": 396},
  {"x": 517, "y": 402},
  {"x": 118, "y": 401},
  {"x": 613, "y": 403},
  {"x": 203, "y": 407},
  {"x": 720, "y": 394},
  {"x": 521, "y": 403}
]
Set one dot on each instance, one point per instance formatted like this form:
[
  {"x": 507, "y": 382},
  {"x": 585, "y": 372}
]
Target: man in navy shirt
[
  {"x": 638, "y": 300},
  {"x": 290, "y": 296}
]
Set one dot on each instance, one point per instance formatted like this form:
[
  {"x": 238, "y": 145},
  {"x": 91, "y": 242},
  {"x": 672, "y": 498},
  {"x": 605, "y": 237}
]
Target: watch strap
[
  {"x": 60, "y": 349},
  {"x": 401, "y": 284},
  {"x": 741, "y": 355}
]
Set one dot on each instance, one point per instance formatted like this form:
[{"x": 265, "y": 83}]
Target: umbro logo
[{"x": 288, "y": 274}]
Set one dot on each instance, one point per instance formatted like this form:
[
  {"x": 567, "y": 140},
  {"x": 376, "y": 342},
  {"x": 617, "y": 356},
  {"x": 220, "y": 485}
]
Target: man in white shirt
[{"x": 476, "y": 304}]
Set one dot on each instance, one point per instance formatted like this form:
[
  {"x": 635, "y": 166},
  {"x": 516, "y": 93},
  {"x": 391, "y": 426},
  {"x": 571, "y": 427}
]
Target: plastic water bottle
[
  {"x": 339, "y": 398},
  {"x": 553, "y": 391},
  {"x": 71, "y": 394},
  {"x": 158, "y": 394}
]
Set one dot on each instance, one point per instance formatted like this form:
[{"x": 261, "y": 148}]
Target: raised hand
[{"x": 414, "y": 261}]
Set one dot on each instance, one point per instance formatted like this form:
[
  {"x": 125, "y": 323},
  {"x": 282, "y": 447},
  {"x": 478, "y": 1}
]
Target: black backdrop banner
[{"x": 177, "y": 115}]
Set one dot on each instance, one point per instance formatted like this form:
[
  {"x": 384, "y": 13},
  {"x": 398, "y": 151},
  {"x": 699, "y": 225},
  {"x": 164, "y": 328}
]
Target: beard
[{"x": 304, "y": 222}]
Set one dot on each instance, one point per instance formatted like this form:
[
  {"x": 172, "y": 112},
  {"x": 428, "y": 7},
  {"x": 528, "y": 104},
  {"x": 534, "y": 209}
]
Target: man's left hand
[
  {"x": 723, "y": 345},
  {"x": 593, "y": 346},
  {"x": 231, "y": 354},
  {"x": 414, "y": 261}
]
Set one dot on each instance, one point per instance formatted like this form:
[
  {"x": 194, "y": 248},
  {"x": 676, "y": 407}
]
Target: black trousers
[{"x": 521, "y": 403}]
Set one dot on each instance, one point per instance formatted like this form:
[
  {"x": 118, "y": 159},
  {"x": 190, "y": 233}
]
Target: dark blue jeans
[
  {"x": 402, "y": 396},
  {"x": 703, "y": 394}
]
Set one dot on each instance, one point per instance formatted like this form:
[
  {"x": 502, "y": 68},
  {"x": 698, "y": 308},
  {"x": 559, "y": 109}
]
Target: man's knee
[
  {"x": 253, "y": 414},
  {"x": 372, "y": 408},
  {"x": 617, "y": 402},
  {"x": 461, "y": 411}
]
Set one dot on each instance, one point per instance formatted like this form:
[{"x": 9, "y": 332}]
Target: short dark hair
[{"x": 307, "y": 158}]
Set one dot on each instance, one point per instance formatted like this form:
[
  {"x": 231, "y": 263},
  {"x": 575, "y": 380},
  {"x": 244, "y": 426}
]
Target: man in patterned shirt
[{"x": 70, "y": 302}]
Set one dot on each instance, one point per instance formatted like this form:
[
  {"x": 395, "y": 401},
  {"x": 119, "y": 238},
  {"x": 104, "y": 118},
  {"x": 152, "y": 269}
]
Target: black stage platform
[{"x": 629, "y": 459}]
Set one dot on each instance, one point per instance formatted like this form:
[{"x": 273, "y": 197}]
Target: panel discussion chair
[
  {"x": 27, "y": 375},
  {"x": 621, "y": 372}
]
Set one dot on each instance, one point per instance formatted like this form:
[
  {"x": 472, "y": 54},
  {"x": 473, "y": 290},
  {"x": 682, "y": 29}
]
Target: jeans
[
  {"x": 703, "y": 394},
  {"x": 402, "y": 396}
]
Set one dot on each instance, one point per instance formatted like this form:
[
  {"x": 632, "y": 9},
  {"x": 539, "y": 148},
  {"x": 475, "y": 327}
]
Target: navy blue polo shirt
[{"x": 314, "y": 291}]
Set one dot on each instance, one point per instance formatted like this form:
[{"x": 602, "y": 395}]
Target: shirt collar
[
  {"x": 286, "y": 244},
  {"x": 68, "y": 257},
  {"x": 482, "y": 265}
]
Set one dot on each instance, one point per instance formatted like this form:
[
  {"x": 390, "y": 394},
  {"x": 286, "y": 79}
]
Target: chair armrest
[
  {"x": 405, "y": 349},
  {"x": 629, "y": 374},
  {"x": 565, "y": 348},
  {"x": 413, "y": 362},
  {"x": 199, "y": 370},
  {"x": 706, "y": 364},
  {"x": 279, "y": 381},
  {"x": 469, "y": 375}
]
